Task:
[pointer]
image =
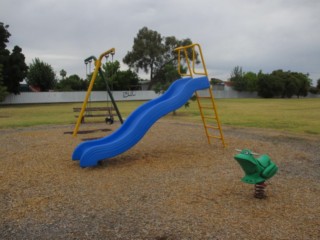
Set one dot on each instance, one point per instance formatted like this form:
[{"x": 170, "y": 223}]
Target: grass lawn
[
  {"x": 42, "y": 114},
  {"x": 293, "y": 115}
]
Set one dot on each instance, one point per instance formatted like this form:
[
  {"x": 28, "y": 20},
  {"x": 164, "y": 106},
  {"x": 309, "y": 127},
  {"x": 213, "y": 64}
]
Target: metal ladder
[
  {"x": 206, "y": 104},
  {"x": 210, "y": 118}
]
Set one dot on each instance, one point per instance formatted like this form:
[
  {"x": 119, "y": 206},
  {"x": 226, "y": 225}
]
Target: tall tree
[
  {"x": 14, "y": 66},
  {"x": 17, "y": 70},
  {"x": 63, "y": 74},
  {"x": 41, "y": 75},
  {"x": 237, "y": 79},
  {"x": 146, "y": 52},
  {"x": 151, "y": 53},
  {"x": 167, "y": 72},
  {"x": 3, "y": 89},
  {"x": 4, "y": 35}
]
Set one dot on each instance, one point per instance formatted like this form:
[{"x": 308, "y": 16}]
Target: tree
[
  {"x": 116, "y": 79},
  {"x": 146, "y": 52},
  {"x": 110, "y": 70},
  {"x": 152, "y": 53},
  {"x": 250, "y": 79},
  {"x": 292, "y": 83},
  {"x": 303, "y": 83},
  {"x": 125, "y": 80},
  {"x": 4, "y": 36},
  {"x": 14, "y": 69},
  {"x": 286, "y": 84},
  {"x": 283, "y": 84},
  {"x": 167, "y": 72},
  {"x": 120, "y": 80},
  {"x": 237, "y": 79},
  {"x": 63, "y": 74},
  {"x": 316, "y": 89},
  {"x": 72, "y": 83},
  {"x": 17, "y": 70},
  {"x": 269, "y": 85},
  {"x": 165, "y": 77},
  {"x": 41, "y": 75},
  {"x": 243, "y": 81},
  {"x": 3, "y": 89},
  {"x": 216, "y": 81}
]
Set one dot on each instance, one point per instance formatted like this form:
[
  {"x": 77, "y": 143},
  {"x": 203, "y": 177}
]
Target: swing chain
[{"x": 109, "y": 119}]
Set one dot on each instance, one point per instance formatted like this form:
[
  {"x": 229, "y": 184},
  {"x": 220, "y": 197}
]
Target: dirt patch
[{"x": 171, "y": 185}]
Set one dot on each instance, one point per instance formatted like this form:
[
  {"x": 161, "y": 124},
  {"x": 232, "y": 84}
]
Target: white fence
[
  {"x": 69, "y": 97},
  {"x": 64, "y": 97}
]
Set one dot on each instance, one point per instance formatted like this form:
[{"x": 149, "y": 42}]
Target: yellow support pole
[{"x": 93, "y": 78}]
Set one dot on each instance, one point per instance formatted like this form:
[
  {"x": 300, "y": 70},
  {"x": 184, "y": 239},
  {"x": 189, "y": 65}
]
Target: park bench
[{"x": 106, "y": 112}]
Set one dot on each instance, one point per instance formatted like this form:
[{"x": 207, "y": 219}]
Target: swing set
[{"x": 86, "y": 111}]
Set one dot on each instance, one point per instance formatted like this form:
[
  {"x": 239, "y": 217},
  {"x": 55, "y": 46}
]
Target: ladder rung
[
  {"x": 214, "y": 136},
  {"x": 212, "y": 127},
  {"x": 206, "y": 118},
  {"x": 210, "y": 117}
]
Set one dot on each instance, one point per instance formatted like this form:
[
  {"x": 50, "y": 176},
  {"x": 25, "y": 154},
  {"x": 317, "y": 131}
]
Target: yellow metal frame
[
  {"x": 191, "y": 72},
  {"x": 93, "y": 78}
]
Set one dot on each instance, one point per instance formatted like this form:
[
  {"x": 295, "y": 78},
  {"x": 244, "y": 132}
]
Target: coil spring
[{"x": 259, "y": 190}]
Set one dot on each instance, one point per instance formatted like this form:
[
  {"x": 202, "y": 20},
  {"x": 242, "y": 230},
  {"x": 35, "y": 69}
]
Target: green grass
[
  {"x": 293, "y": 115},
  {"x": 13, "y": 116}
]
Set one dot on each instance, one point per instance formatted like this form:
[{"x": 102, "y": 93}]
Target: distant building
[
  {"x": 24, "y": 87},
  {"x": 144, "y": 84}
]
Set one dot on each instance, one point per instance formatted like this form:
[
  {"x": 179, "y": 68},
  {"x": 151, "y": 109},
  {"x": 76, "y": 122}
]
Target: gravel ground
[{"x": 171, "y": 185}]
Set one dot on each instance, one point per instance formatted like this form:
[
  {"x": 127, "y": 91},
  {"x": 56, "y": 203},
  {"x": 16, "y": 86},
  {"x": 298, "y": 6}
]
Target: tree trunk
[{"x": 151, "y": 77}]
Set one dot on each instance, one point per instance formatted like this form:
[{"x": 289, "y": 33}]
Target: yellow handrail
[
  {"x": 194, "y": 58},
  {"x": 93, "y": 78}
]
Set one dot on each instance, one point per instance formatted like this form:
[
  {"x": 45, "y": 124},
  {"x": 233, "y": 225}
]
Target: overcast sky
[{"x": 255, "y": 34}]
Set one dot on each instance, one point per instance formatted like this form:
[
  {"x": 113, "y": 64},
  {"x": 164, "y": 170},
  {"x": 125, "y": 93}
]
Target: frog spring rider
[{"x": 257, "y": 170}]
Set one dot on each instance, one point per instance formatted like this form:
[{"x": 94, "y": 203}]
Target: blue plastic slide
[{"x": 138, "y": 123}]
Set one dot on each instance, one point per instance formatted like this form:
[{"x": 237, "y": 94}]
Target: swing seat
[
  {"x": 109, "y": 120},
  {"x": 96, "y": 112}
]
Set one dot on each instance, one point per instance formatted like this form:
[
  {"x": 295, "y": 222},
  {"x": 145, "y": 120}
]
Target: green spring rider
[{"x": 257, "y": 170}]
